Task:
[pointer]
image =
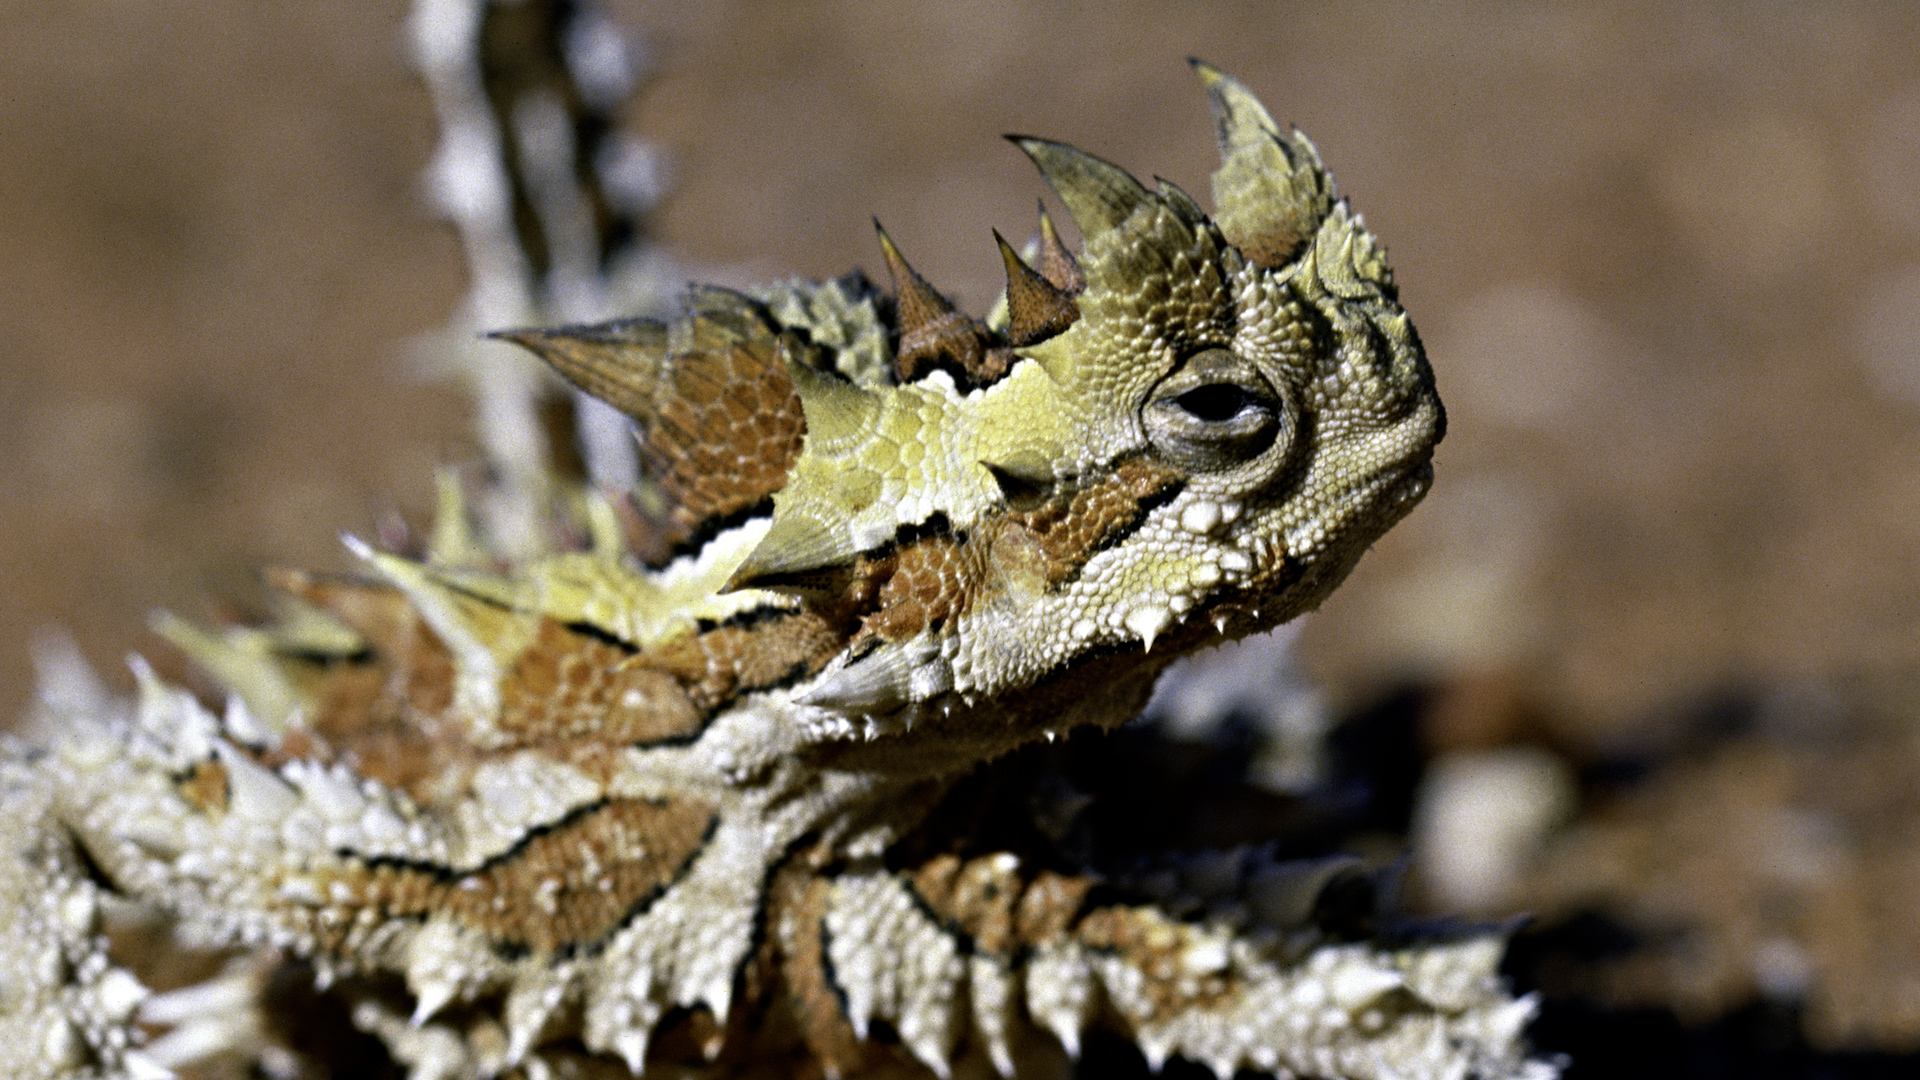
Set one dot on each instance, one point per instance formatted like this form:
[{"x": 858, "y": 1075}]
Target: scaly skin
[{"x": 596, "y": 816}]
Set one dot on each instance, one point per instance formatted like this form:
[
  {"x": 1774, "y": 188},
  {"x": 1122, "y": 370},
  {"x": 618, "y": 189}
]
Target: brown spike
[
  {"x": 614, "y": 361},
  {"x": 719, "y": 420},
  {"x": 1057, "y": 264},
  {"x": 1037, "y": 309},
  {"x": 933, "y": 333},
  {"x": 917, "y": 302}
]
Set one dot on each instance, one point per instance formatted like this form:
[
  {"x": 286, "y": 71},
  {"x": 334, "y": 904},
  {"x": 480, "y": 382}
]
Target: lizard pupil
[{"x": 1214, "y": 403}]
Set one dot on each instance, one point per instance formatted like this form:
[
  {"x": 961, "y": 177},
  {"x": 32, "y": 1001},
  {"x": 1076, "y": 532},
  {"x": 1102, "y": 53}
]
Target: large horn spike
[
  {"x": 1271, "y": 191},
  {"x": 1099, "y": 194},
  {"x": 916, "y": 303},
  {"x": 1037, "y": 309},
  {"x": 616, "y": 362},
  {"x": 1176, "y": 196},
  {"x": 1057, "y": 264},
  {"x": 1238, "y": 115},
  {"x": 933, "y": 333}
]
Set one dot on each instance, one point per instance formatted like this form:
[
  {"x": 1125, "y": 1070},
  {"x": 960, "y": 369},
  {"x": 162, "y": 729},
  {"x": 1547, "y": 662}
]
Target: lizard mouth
[
  {"x": 1412, "y": 482},
  {"x": 1393, "y": 493},
  {"x": 1396, "y": 489}
]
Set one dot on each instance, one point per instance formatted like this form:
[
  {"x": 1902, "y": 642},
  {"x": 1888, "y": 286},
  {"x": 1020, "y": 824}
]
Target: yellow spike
[
  {"x": 605, "y": 538},
  {"x": 477, "y": 628},
  {"x": 841, "y": 419},
  {"x": 1270, "y": 192},
  {"x": 797, "y": 555},
  {"x": 1239, "y": 116},
  {"x": 1099, "y": 194},
  {"x": 241, "y": 661},
  {"x": 452, "y": 541},
  {"x": 301, "y": 627},
  {"x": 838, "y": 411}
]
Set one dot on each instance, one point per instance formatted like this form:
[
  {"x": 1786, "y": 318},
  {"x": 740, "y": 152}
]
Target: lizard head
[
  {"x": 1188, "y": 433},
  {"x": 1249, "y": 381}
]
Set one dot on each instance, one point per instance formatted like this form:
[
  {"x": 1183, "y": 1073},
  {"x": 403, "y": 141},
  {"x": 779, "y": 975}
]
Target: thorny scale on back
[{"x": 575, "y": 817}]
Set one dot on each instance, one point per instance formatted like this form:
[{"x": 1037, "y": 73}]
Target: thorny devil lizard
[{"x": 577, "y": 817}]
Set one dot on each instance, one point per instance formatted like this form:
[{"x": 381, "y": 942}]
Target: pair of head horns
[
  {"x": 934, "y": 333},
  {"x": 1270, "y": 195}
]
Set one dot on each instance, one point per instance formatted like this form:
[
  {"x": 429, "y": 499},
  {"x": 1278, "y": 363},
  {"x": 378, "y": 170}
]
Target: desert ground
[{"x": 1665, "y": 260}]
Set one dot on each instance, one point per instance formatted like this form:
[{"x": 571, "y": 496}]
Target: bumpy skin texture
[{"x": 577, "y": 817}]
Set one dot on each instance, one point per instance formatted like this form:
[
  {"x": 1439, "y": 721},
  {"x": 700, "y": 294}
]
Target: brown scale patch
[
  {"x": 923, "y": 585},
  {"x": 995, "y": 905},
  {"x": 1047, "y": 545},
  {"x": 205, "y": 788},
  {"x": 1156, "y": 945},
  {"x": 976, "y": 895},
  {"x": 575, "y": 693},
  {"x": 1049, "y": 905},
  {"x": 373, "y": 708},
  {"x": 797, "y": 908},
  {"x": 572, "y": 692},
  {"x": 571, "y": 685},
  {"x": 564, "y": 889},
  {"x": 725, "y": 433},
  {"x": 754, "y": 652}
]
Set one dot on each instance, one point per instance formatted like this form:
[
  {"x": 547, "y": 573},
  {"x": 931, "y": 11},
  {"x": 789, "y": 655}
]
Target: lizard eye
[
  {"x": 1215, "y": 403},
  {"x": 1215, "y": 412}
]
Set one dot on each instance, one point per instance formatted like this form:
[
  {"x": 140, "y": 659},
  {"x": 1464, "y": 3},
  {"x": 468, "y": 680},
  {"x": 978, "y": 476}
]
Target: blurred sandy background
[
  {"x": 1667, "y": 262},
  {"x": 1666, "y": 259}
]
